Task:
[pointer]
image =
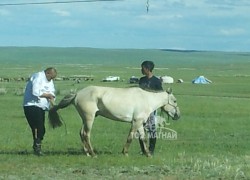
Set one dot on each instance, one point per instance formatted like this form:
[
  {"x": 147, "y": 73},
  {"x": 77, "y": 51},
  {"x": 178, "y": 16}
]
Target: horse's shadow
[{"x": 75, "y": 152}]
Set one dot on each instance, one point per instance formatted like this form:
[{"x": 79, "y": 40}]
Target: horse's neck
[{"x": 158, "y": 99}]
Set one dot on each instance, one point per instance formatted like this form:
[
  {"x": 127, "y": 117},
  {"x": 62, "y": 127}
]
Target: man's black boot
[
  {"x": 37, "y": 147},
  {"x": 152, "y": 142}
]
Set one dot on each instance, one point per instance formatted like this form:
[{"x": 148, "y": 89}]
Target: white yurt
[{"x": 167, "y": 79}]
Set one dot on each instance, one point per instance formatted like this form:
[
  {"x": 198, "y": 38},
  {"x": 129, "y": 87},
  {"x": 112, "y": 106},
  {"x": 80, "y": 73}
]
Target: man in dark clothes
[{"x": 150, "y": 82}]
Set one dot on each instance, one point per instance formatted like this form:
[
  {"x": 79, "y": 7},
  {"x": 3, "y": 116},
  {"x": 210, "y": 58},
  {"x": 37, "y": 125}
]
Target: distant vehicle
[
  {"x": 133, "y": 80},
  {"x": 111, "y": 78}
]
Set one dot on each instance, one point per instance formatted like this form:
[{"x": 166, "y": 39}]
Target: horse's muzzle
[
  {"x": 174, "y": 113},
  {"x": 177, "y": 114},
  {"x": 176, "y": 117}
]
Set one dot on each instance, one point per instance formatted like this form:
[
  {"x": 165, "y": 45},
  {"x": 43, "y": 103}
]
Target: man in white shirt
[{"x": 39, "y": 94}]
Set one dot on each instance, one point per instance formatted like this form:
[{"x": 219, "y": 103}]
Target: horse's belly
[{"x": 115, "y": 116}]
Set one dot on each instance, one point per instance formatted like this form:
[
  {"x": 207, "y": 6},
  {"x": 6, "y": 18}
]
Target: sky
[{"x": 210, "y": 25}]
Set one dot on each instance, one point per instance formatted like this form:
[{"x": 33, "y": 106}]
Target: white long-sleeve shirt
[{"x": 36, "y": 86}]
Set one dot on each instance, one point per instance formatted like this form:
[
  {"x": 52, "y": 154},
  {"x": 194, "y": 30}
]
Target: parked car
[
  {"x": 111, "y": 78},
  {"x": 133, "y": 80}
]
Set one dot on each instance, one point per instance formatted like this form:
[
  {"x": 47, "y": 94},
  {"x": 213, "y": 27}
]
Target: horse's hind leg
[
  {"x": 84, "y": 141},
  {"x": 85, "y": 135}
]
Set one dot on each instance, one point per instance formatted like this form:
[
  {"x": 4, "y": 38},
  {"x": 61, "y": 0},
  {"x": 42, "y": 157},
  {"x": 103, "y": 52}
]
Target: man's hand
[{"x": 48, "y": 96}]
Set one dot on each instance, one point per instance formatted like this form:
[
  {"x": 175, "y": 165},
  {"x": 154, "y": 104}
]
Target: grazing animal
[{"x": 132, "y": 105}]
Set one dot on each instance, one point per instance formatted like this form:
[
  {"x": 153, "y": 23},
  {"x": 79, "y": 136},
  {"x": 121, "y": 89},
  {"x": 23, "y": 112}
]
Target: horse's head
[{"x": 171, "y": 107}]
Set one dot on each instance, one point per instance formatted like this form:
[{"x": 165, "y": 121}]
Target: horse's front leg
[
  {"x": 142, "y": 137},
  {"x": 136, "y": 126},
  {"x": 129, "y": 140}
]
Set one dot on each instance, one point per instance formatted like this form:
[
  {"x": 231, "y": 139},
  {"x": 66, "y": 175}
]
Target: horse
[{"x": 132, "y": 105}]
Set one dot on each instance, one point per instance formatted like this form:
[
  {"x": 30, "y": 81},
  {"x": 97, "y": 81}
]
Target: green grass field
[{"x": 212, "y": 135}]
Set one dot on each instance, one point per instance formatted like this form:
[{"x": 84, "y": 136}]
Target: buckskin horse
[{"x": 132, "y": 105}]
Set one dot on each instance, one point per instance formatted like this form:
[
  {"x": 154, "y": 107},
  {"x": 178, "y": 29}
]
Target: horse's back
[
  {"x": 113, "y": 103},
  {"x": 110, "y": 96},
  {"x": 99, "y": 91}
]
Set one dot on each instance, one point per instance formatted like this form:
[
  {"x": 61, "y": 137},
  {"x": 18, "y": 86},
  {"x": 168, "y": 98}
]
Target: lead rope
[
  {"x": 166, "y": 122},
  {"x": 64, "y": 123}
]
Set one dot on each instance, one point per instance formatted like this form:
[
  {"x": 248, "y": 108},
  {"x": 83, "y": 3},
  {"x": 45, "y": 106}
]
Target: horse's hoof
[
  {"x": 125, "y": 154},
  {"x": 149, "y": 155},
  {"x": 93, "y": 155}
]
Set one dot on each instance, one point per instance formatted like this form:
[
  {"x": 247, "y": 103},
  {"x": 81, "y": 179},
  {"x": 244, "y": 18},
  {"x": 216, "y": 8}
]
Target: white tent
[
  {"x": 201, "y": 80},
  {"x": 180, "y": 81},
  {"x": 167, "y": 79}
]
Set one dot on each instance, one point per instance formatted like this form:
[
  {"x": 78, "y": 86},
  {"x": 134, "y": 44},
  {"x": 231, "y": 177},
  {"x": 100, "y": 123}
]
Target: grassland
[{"x": 213, "y": 132}]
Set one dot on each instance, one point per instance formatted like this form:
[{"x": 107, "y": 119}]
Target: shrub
[
  {"x": 3, "y": 91},
  {"x": 19, "y": 92}
]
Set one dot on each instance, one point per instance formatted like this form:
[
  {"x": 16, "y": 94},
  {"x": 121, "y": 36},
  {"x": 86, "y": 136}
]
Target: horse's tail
[{"x": 54, "y": 118}]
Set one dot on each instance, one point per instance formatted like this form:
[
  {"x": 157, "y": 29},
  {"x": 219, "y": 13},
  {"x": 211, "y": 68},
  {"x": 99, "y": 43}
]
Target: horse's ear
[{"x": 169, "y": 90}]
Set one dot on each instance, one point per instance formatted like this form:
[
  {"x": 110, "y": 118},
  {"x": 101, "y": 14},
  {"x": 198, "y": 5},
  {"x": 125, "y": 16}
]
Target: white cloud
[
  {"x": 4, "y": 12},
  {"x": 232, "y": 32},
  {"x": 160, "y": 17},
  {"x": 69, "y": 23},
  {"x": 61, "y": 12}
]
